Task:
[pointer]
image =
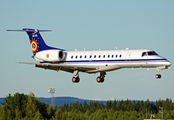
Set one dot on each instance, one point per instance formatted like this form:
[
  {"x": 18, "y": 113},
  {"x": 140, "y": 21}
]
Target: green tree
[
  {"x": 50, "y": 111},
  {"x": 38, "y": 115},
  {"x": 88, "y": 113},
  {"x": 18, "y": 114},
  {"x": 31, "y": 107},
  {"x": 59, "y": 115}
]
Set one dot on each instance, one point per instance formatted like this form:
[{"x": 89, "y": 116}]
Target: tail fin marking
[{"x": 36, "y": 41}]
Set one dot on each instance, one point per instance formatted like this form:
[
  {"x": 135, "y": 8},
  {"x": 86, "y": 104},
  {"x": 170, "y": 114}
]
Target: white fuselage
[{"x": 106, "y": 60}]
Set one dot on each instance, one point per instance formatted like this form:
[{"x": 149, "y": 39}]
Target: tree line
[{"x": 26, "y": 107}]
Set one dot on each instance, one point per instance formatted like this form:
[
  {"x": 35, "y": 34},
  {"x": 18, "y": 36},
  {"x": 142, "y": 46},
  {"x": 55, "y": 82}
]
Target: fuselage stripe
[{"x": 121, "y": 61}]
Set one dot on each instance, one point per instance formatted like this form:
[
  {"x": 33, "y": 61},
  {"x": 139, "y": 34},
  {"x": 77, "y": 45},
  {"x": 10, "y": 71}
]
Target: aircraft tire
[
  {"x": 98, "y": 79},
  {"x": 102, "y": 80},
  {"x": 158, "y": 76},
  {"x": 73, "y": 79},
  {"x": 77, "y": 79}
]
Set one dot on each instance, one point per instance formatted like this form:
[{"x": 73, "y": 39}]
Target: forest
[{"x": 28, "y": 107}]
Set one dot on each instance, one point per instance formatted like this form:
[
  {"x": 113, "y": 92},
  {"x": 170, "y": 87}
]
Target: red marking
[
  {"x": 47, "y": 55},
  {"x": 34, "y": 45}
]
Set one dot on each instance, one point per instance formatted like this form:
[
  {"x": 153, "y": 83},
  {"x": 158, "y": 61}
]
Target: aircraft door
[
  {"x": 128, "y": 58},
  {"x": 145, "y": 58}
]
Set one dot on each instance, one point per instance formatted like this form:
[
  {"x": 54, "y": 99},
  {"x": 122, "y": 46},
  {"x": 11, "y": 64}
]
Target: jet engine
[{"x": 50, "y": 56}]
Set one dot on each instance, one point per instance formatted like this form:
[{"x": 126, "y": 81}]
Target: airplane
[{"x": 95, "y": 61}]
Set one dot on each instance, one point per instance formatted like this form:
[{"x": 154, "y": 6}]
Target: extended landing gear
[
  {"x": 75, "y": 79},
  {"x": 158, "y": 76},
  {"x": 101, "y": 78}
]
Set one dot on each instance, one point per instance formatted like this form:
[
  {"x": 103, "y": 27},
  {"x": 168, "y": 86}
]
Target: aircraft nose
[{"x": 168, "y": 64}]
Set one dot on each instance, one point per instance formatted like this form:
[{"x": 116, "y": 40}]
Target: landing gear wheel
[
  {"x": 100, "y": 80},
  {"x": 158, "y": 76},
  {"x": 75, "y": 79}
]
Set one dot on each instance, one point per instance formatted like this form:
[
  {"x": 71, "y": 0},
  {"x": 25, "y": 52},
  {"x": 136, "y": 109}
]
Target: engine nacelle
[{"x": 50, "y": 56}]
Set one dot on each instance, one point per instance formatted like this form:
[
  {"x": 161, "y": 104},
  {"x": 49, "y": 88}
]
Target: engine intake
[{"x": 61, "y": 55}]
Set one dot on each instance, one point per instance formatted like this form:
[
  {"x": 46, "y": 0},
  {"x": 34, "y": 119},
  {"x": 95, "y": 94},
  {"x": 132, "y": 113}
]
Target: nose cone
[{"x": 168, "y": 64}]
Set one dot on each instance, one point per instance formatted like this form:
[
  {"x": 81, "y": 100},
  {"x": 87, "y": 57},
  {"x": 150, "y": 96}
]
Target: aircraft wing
[{"x": 58, "y": 67}]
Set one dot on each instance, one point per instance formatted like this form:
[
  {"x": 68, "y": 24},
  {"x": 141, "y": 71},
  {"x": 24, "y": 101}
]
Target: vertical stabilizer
[{"x": 36, "y": 41}]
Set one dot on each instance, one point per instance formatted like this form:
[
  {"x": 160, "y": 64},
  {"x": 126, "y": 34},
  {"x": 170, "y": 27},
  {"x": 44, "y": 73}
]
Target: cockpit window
[
  {"x": 151, "y": 53},
  {"x": 144, "y": 54}
]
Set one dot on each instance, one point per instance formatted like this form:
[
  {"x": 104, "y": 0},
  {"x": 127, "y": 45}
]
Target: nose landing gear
[{"x": 158, "y": 76}]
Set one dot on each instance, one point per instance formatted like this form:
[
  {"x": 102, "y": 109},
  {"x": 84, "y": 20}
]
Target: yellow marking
[
  {"x": 42, "y": 64},
  {"x": 37, "y": 64},
  {"x": 47, "y": 65},
  {"x": 34, "y": 64}
]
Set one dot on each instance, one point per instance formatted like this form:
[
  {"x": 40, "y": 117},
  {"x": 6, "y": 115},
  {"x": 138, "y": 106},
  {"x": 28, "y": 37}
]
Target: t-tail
[{"x": 36, "y": 41}]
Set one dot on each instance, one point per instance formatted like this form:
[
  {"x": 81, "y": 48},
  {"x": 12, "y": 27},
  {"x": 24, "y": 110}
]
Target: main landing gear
[
  {"x": 101, "y": 78},
  {"x": 76, "y": 78}
]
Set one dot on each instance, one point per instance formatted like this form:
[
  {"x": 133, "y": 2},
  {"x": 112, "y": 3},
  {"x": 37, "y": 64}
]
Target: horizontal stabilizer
[{"x": 30, "y": 30}]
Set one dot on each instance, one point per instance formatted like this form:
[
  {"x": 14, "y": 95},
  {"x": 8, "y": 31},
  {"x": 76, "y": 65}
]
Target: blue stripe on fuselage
[
  {"x": 119, "y": 60},
  {"x": 122, "y": 60}
]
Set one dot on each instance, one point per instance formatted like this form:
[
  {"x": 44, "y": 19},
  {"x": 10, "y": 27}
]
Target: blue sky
[{"x": 91, "y": 25}]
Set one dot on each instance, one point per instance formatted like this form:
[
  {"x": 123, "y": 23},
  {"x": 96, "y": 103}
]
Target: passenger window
[
  {"x": 76, "y": 57},
  {"x": 112, "y": 56},
  {"x": 85, "y": 56},
  {"x": 80, "y": 57},
  {"x": 90, "y": 56},
  {"x": 108, "y": 56},
  {"x": 94, "y": 56},
  {"x": 103, "y": 56},
  {"x": 71, "y": 57},
  {"x": 99, "y": 56},
  {"x": 116, "y": 56},
  {"x": 120, "y": 56}
]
